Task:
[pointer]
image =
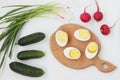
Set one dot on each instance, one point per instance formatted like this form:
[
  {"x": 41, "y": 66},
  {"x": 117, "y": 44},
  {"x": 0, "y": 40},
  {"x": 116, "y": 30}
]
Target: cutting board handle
[{"x": 104, "y": 66}]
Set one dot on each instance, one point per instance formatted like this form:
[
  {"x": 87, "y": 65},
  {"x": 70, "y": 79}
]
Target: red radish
[
  {"x": 85, "y": 17},
  {"x": 105, "y": 29},
  {"x": 98, "y": 16}
]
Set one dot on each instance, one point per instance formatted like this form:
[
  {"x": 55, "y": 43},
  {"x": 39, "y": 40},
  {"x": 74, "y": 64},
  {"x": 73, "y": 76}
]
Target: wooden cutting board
[{"x": 83, "y": 61}]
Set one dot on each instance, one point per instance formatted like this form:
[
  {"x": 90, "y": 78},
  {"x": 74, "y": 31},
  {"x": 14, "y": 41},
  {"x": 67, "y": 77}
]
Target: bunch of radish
[{"x": 98, "y": 16}]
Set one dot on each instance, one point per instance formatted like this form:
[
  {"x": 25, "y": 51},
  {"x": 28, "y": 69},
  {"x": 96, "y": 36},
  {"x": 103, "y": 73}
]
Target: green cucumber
[
  {"x": 30, "y": 54},
  {"x": 26, "y": 70},
  {"x": 32, "y": 38}
]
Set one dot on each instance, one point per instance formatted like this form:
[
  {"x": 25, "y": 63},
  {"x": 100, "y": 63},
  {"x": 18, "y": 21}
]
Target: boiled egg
[
  {"x": 61, "y": 38},
  {"x": 72, "y": 53},
  {"x": 82, "y": 34},
  {"x": 91, "y": 50}
]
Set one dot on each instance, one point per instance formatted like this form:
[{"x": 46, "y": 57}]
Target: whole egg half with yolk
[
  {"x": 61, "y": 38},
  {"x": 82, "y": 34},
  {"x": 72, "y": 53},
  {"x": 91, "y": 50}
]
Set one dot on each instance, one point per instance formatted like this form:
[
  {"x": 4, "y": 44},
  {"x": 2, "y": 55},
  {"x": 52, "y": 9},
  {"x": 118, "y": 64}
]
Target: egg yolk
[
  {"x": 84, "y": 34},
  {"x": 74, "y": 53},
  {"x": 92, "y": 47},
  {"x": 62, "y": 36}
]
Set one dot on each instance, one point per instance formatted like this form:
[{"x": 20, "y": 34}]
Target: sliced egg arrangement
[
  {"x": 61, "y": 38},
  {"x": 91, "y": 50},
  {"x": 82, "y": 34},
  {"x": 72, "y": 53}
]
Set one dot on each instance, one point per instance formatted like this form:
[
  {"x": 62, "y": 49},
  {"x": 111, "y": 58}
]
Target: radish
[
  {"x": 98, "y": 16},
  {"x": 85, "y": 17},
  {"x": 105, "y": 29}
]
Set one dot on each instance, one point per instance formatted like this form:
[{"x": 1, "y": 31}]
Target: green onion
[{"x": 17, "y": 19}]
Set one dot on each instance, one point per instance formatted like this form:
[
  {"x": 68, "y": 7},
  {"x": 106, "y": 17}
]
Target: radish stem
[
  {"x": 97, "y": 5},
  {"x": 87, "y": 7},
  {"x": 114, "y": 24}
]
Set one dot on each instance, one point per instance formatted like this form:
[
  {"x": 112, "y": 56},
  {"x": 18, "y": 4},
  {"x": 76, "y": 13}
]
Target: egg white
[
  {"x": 67, "y": 50},
  {"x": 61, "y": 44},
  {"x": 90, "y": 55},
  {"x": 76, "y": 35}
]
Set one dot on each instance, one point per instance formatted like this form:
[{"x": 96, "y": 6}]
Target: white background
[{"x": 110, "y": 50}]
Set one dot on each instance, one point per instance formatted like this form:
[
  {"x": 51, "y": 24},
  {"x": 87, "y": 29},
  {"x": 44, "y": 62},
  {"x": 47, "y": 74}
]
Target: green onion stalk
[{"x": 17, "y": 18}]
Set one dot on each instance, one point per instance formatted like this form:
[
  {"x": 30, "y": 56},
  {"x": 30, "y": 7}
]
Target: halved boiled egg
[
  {"x": 72, "y": 53},
  {"x": 82, "y": 34},
  {"x": 61, "y": 38},
  {"x": 91, "y": 50}
]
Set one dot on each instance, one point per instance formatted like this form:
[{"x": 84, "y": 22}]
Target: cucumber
[
  {"x": 30, "y": 54},
  {"x": 32, "y": 38},
  {"x": 26, "y": 70}
]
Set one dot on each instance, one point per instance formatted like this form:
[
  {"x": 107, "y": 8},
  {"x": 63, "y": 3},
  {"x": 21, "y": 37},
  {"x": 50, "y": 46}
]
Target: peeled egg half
[
  {"x": 91, "y": 50},
  {"x": 82, "y": 34},
  {"x": 72, "y": 53},
  {"x": 61, "y": 38}
]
